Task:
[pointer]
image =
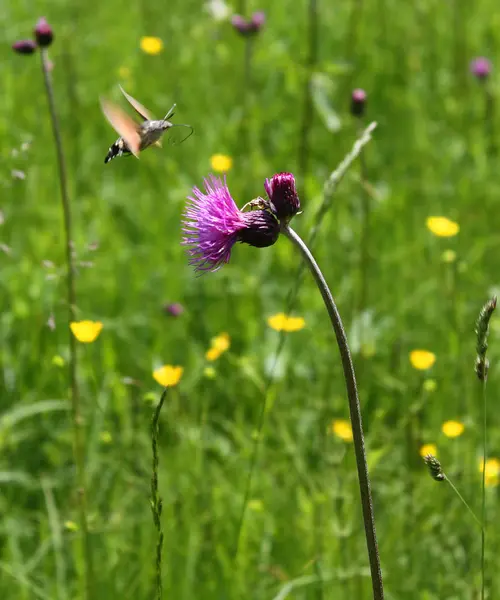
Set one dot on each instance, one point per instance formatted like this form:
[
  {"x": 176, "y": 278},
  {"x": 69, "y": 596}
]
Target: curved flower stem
[
  {"x": 354, "y": 408},
  {"x": 78, "y": 435}
]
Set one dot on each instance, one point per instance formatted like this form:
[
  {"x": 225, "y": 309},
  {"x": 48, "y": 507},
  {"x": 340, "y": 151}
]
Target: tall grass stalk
[
  {"x": 76, "y": 411},
  {"x": 354, "y": 409},
  {"x": 307, "y": 105},
  {"x": 482, "y": 366},
  {"x": 156, "y": 501}
]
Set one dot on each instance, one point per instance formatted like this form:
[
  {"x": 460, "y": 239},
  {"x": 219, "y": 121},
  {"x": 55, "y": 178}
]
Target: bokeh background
[{"x": 276, "y": 100}]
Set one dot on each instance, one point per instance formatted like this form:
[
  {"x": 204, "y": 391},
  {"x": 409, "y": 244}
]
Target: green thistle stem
[
  {"x": 76, "y": 411},
  {"x": 355, "y": 412}
]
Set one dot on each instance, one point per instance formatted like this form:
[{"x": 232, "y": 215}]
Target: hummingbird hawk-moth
[{"x": 135, "y": 137}]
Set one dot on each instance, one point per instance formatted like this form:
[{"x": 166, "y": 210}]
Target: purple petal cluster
[
  {"x": 212, "y": 224},
  {"x": 358, "y": 102},
  {"x": 43, "y": 37},
  {"x": 480, "y": 67},
  {"x": 283, "y": 196},
  {"x": 249, "y": 27}
]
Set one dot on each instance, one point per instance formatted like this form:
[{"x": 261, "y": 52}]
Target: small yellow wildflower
[
  {"x": 219, "y": 345},
  {"x": 168, "y": 375},
  {"x": 221, "y": 163},
  {"x": 452, "y": 429},
  {"x": 430, "y": 385},
  {"x": 212, "y": 354},
  {"x": 422, "y": 359},
  {"x": 428, "y": 449},
  {"x": 492, "y": 474},
  {"x": 105, "y": 437},
  {"x": 281, "y": 322},
  {"x": 449, "y": 256},
  {"x": 342, "y": 429},
  {"x": 86, "y": 331},
  {"x": 442, "y": 227},
  {"x": 151, "y": 45}
]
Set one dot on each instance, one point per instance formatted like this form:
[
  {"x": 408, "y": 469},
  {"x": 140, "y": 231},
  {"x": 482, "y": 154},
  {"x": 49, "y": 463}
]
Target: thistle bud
[
  {"x": 283, "y": 195},
  {"x": 24, "y": 46},
  {"x": 480, "y": 68},
  {"x": 358, "y": 102},
  {"x": 43, "y": 33},
  {"x": 262, "y": 229}
]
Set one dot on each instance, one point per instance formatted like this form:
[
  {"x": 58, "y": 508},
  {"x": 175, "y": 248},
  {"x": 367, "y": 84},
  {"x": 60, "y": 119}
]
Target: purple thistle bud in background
[
  {"x": 24, "y": 46},
  {"x": 480, "y": 67},
  {"x": 212, "y": 224},
  {"x": 43, "y": 33},
  {"x": 175, "y": 309},
  {"x": 283, "y": 196},
  {"x": 358, "y": 102},
  {"x": 251, "y": 27}
]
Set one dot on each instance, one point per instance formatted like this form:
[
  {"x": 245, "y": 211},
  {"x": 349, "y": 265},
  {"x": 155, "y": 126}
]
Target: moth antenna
[{"x": 170, "y": 113}]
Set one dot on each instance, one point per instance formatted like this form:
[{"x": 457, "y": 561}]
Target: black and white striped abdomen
[{"x": 117, "y": 149}]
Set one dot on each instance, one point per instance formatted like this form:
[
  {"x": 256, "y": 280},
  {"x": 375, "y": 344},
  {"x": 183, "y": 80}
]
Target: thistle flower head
[
  {"x": 480, "y": 67},
  {"x": 212, "y": 224},
  {"x": 43, "y": 32},
  {"x": 249, "y": 27},
  {"x": 175, "y": 309},
  {"x": 358, "y": 102},
  {"x": 283, "y": 195},
  {"x": 24, "y": 46}
]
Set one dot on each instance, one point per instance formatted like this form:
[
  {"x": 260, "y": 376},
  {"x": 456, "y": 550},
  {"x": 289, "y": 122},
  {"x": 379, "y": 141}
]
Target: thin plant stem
[
  {"x": 156, "y": 501},
  {"x": 354, "y": 409},
  {"x": 483, "y": 493},
  {"x": 329, "y": 189},
  {"x": 307, "y": 107},
  {"x": 464, "y": 502},
  {"x": 76, "y": 412}
]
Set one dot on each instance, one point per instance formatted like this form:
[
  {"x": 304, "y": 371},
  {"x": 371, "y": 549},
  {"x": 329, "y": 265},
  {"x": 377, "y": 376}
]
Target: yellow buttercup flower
[
  {"x": 342, "y": 429},
  {"x": 151, "y": 45},
  {"x": 168, "y": 375},
  {"x": 452, "y": 429},
  {"x": 221, "y": 163},
  {"x": 492, "y": 472},
  {"x": 428, "y": 449},
  {"x": 442, "y": 227},
  {"x": 281, "y": 322},
  {"x": 422, "y": 359},
  {"x": 86, "y": 331},
  {"x": 219, "y": 345}
]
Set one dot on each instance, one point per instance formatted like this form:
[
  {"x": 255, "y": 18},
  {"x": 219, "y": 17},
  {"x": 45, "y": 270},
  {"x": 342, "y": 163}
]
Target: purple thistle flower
[
  {"x": 283, "y": 195},
  {"x": 43, "y": 33},
  {"x": 480, "y": 67},
  {"x": 24, "y": 46},
  {"x": 175, "y": 309},
  {"x": 213, "y": 223},
  {"x": 358, "y": 102},
  {"x": 249, "y": 27}
]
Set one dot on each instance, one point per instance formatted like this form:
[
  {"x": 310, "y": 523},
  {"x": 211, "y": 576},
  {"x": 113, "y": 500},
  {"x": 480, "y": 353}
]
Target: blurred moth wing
[
  {"x": 124, "y": 126},
  {"x": 141, "y": 110}
]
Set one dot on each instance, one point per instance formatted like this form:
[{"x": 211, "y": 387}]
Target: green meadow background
[{"x": 434, "y": 153}]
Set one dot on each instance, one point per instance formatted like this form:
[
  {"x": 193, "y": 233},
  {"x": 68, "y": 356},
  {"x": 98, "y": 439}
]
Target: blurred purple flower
[
  {"x": 251, "y": 27},
  {"x": 24, "y": 46},
  {"x": 212, "y": 224},
  {"x": 480, "y": 67},
  {"x": 43, "y": 33},
  {"x": 358, "y": 102},
  {"x": 175, "y": 309},
  {"x": 283, "y": 195}
]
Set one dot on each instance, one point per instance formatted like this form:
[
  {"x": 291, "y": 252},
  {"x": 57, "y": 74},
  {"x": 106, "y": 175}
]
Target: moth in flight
[{"x": 135, "y": 137}]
